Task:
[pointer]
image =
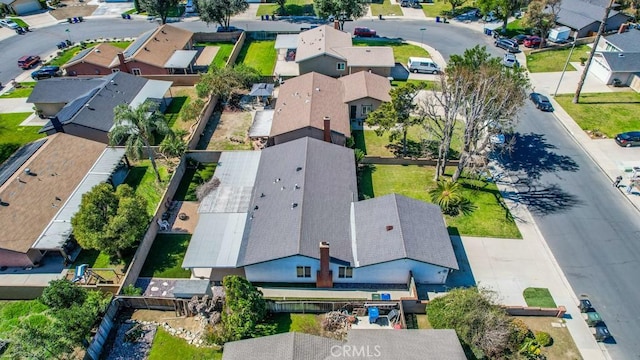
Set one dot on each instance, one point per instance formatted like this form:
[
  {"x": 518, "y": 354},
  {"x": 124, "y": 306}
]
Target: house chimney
[
  {"x": 327, "y": 129},
  {"x": 336, "y": 24},
  {"x": 623, "y": 28},
  {"x": 57, "y": 125},
  {"x": 324, "y": 278},
  {"x": 123, "y": 65}
]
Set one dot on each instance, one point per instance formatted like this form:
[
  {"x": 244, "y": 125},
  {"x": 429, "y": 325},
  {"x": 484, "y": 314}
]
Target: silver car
[
  {"x": 8, "y": 23},
  {"x": 509, "y": 60}
]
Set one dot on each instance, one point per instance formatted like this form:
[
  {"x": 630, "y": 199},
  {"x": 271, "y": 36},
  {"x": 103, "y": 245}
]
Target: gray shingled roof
[
  {"x": 302, "y": 196},
  {"x": 287, "y": 346},
  {"x": 577, "y": 14},
  {"x": 622, "y": 62},
  {"x": 628, "y": 41},
  {"x": 396, "y": 227},
  {"x": 62, "y": 89},
  {"x": 94, "y": 109}
]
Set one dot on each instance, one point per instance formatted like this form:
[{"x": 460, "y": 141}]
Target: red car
[
  {"x": 532, "y": 41},
  {"x": 364, "y": 32},
  {"x": 27, "y": 62}
]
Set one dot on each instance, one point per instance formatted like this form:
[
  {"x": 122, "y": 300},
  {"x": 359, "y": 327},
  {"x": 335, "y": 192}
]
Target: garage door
[
  {"x": 599, "y": 70},
  {"x": 26, "y": 7}
]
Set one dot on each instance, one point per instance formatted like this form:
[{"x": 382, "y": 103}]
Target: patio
[{"x": 181, "y": 217}]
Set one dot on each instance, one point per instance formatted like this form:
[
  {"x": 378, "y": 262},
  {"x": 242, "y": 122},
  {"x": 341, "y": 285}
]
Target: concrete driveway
[
  {"x": 547, "y": 82},
  {"x": 15, "y": 106}
]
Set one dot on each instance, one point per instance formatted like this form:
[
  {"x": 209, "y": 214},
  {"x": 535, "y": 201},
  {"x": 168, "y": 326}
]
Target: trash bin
[{"x": 437, "y": 18}]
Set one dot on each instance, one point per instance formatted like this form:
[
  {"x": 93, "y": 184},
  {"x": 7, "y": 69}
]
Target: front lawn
[
  {"x": 142, "y": 178},
  {"x": 12, "y": 132},
  {"x": 260, "y": 55},
  {"x": 192, "y": 178},
  {"x": 168, "y": 347},
  {"x": 292, "y": 8},
  {"x": 489, "y": 219},
  {"x": 441, "y": 7},
  {"x": 379, "y": 145},
  {"x": 554, "y": 60},
  {"x": 386, "y": 8},
  {"x": 165, "y": 257},
  {"x": 563, "y": 346},
  {"x": 538, "y": 297},
  {"x": 224, "y": 51},
  {"x": 23, "y": 91},
  {"x": 401, "y": 50},
  {"x": 609, "y": 113}
]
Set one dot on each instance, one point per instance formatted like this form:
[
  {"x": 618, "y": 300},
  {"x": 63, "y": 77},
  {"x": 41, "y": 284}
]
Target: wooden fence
[{"x": 382, "y": 160}]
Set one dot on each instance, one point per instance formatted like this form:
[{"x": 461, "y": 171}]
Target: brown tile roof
[
  {"x": 364, "y": 84},
  {"x": 321, "y": 40},
  {"x": 367, "y": 56},
  {"x": 159, "y": 47},
  {"x": 101, "y": 55},
  {"x": 305, "y": 101},
  {"x": 33, "y": 200}
]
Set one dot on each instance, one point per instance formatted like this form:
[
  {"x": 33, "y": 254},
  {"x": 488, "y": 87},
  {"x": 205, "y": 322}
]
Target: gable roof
[
  {"x": 364, "y": 84},
  {"x": 301, "y": 197},
  {"x": 628, "y": 41},
  {"x": 367, "y": 56},
  {"x": 62, "y": 89},
  {"x": 156, "y": 47},
  {"x": 577, "y": 14},
  {"x": 94, "y": 109},
  {"x": 58, "y": 166},
  {"x": 321, "y": 40},
  {"x": 305, "y": 100},
  {"x": 622, "y": 61},
  {"x": 101, "y": 55},
  {"x": 287, "y": 346},
  {"x": 396, "y": 227}
]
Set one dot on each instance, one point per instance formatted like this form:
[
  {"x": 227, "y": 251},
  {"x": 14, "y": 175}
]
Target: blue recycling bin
[{"x": 437, "y": 18}]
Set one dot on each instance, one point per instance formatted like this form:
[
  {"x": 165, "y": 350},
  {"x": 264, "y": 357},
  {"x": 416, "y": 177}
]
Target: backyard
[
  {"x": 386, "y": 8},
  {"x": 168, "y": 347},
  {"x": 65, "y": 55},
  {"x": 142, "y": 178},
  {"x": 554, "y": 60},
  {"x": 231, "y": 131},
  {"x": 401, "y": 50},
  {"x": 193, "y": 177},
  {"x": 224, "y": 51},
  {"x": 292, "y": 8},
  {"x": 181, "y": 97},
  {"x": 260, "y": 55},
  {"x": 304, "y": 323},
  {"x": 165, "y": 257},
  {"x": 608, "y": 113}
]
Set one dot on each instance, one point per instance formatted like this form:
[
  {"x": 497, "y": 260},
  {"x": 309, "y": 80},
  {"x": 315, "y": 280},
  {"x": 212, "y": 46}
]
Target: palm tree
[
  {"x": 138, "y": 127},
  {"x": 174, "y": 146}
]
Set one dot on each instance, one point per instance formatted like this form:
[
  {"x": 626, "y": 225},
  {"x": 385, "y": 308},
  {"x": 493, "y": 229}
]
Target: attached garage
[
  {"x": 600, "y": 69},
  {"x": 21, "y": 7},
  {"x": 615, "y": 65}
]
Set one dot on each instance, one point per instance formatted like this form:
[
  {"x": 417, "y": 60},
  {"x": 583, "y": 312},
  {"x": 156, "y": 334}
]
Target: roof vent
[
  {"x": 162, "y": 31},
  {"x": 255, "y": 207},
  {"x": 317, "y": 89},
  {"x": 156, "y": 39},
  {"x": 296, "y": 187},
  {"x": 294, "y": 205},
  {"x": 621, "y": 55},
  {"x": 276, "y": 180},
  {"x": 98, "y": 51},
  {"x": 389, "y": 227},
  {"x": 145, "y": 49},
  {"x": 368, "y": 50},
  {"x": 262, "y": 195},
  {"x": 299, "y": 168},
  {"x": 282, "y": 188},
  {"x": 27, "y": 171}
]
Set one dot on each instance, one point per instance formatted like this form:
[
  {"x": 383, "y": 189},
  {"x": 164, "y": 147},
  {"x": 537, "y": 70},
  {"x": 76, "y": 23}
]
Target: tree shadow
[
  {"x": 135, "y": 175},
  {"x": 358, "y": 138},
  {"x": 414, "y": 149},
  {"x": 365, "y": 182},
  {"x": 532, "y": 155},
  {"x": 541, "y": 200}
]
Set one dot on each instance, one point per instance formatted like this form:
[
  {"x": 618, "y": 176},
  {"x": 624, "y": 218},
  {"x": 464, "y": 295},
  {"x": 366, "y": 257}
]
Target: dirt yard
[
  {"x": 563, "y": 346},
  {"x": 72, "y": 8},
  {"x": 169, "y": 317},
  {"x": 231, "y": 131}
]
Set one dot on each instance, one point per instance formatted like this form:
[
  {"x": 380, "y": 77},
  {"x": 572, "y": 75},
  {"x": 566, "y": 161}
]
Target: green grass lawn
[
  {"x": 292, "y": 8},
  {"x": 190, "y": 181},
  {"x": 428, "y": 83},
  {"x": 401, "y": 51},
  {"x": 12, "y": 132},
  {"x": 374, "y": 145},
  {"x": 609, "y": 113},
  {"x": 224, "y": 51},
  {"x": 441, "y": 7},
  {"x": 172, "y": 113},
  {"x": 165, "y": 257},
  {"x": 142, "y": 178},
  {"x": 260, "y": 55},
  {"x": 538, "y": 297},
  {"x": 11, "y": 312},
  {"x": 23, "y": 91},
  {"x": 386, "y": 8},
  {"x": 20, "y": 22},
  {"x": 515, "y": 27},
  {"x": 100, "y": 260},
  {"x": 489, "y": 219},
  {"x": 67, "y": 54},
  {"x": 304, "y": 323},
  {"x": 168, "y": 347},
  {"x": 554, "y": 60}
]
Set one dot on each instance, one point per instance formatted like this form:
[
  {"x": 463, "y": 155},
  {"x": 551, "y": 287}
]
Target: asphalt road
[{"x": 591, "y": 229}]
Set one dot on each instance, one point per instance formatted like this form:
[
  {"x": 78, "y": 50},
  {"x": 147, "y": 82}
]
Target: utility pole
[
  {"x": 576, "y": 98},
  {"x": 565, "y": 67}
]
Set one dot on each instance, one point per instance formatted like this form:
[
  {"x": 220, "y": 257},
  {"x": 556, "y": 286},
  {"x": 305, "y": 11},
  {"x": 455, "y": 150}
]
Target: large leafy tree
[
  {"x": 503, "y": 8},
  {"x": 245, "y": 307},
  {"x": 455, "y": 4},
  {"x": 160, "y": 7},
  {"x": 224, "y": 82},
  {"x": 541, "y": 15},
  {"x": 398, "y": 115},
  {"x": 340, "y": 9},
  {"x": 138, "y": 127},
  {"x": 62, "y": 294},
  {"x": 220, "y": 11},
  {"x": 110, "y": 220}
]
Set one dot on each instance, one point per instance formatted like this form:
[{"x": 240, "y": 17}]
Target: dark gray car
[{"x": 507, "y": 44}]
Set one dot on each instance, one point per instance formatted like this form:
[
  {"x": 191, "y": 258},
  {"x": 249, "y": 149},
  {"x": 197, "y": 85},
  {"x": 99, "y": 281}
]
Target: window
[
  {"x": 345, "y": 272},
  {"x": 340, "y": 66},
  {"x": 303, "y": 271},
  {"x": 136, "y": 71},
  {"x": 366, "y": 109}
]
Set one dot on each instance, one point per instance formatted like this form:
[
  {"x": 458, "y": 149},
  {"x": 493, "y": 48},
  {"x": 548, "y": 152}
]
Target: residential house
[
  {"x": 329, "y": 51},
  {"x": 86, "y": 110},
  {"x": 303, "y": 223},
  {"x": 164, "y": 50},
  {"x": 320, "y": 106},
  {"x": 619, "y": 58},
  {"x": 583, "y": 17},
  {"x": 41, "y": 187},
  {"x": 442, "y": 344},
  {"x": 20, "y": 7}
]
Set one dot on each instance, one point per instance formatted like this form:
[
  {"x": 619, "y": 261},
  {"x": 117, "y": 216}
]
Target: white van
[{"x": 417, "y": 64}]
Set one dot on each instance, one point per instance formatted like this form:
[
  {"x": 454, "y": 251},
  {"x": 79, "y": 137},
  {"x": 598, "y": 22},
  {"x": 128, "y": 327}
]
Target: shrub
[
  {"x": 7, "y": 150},
  {"x": 131, "y": 290},
  {"x": 519, "y": 332},
  {"x": 543, "y": 338},
  {"x": 61, "y": 294}
]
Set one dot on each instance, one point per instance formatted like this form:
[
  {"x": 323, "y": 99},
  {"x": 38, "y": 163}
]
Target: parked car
[
  {"x": 541, "y": 102},
  {"x": 628, "y": 139},
  {"x": 364, "y": 32},
  {"x": 490, "y": 17},
  {"x": 405, "y": 3},
  {"x": 46, "y": 72},
  {"x": 28, "y": 61},
  {"x": 519, "y": 38},
  {"x": 507, "y": 44},
  {"x": 227, "y": 29},
  {"x": 532, "y": 41},
  {"x": 416, "y": 5},
  {"x": 418, "y": 64},
  {"x": 509, "y": 60},
  {"x": 8, "y": 23}
]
